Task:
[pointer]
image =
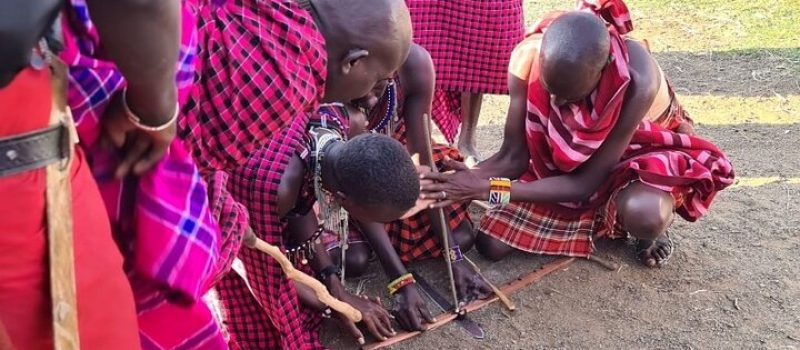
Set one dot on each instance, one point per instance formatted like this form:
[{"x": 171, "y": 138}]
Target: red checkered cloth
[
  {"x": 262, "y": 63},
  {"x": 470, "y": 42},
  {"x": 246, "y": 321},
  {"x": 262, "y": 69},
  {"x": 692, "y": 169},
  {"x": 414, "y": 238},
  {"x": 255, "y": 186}
]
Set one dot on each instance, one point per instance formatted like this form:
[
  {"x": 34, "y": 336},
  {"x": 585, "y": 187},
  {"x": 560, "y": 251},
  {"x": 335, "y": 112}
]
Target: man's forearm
[
  {"x": 382, "y": 246},
  {"x": 143, "y": 38},
  {"x": 500, "y": 165}
]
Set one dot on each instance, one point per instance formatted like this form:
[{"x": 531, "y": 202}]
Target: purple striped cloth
[{"x": 161, "y": 220}]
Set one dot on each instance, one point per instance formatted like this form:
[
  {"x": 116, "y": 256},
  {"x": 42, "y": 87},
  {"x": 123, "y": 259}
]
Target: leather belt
[{"x": 33, "y": 150}]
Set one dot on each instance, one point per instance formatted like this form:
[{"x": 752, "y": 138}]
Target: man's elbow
[{"x": 584, "y": 190}]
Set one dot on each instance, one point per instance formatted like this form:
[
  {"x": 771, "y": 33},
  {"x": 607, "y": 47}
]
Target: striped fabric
[
  {"x": 161, "y": 219},
  {"x": 692, "y": 169}
]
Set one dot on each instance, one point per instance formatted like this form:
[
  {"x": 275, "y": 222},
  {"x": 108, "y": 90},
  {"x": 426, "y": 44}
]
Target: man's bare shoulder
[
  {"x": 643, "y": 69},
  {"x": 524, "y": 55}
]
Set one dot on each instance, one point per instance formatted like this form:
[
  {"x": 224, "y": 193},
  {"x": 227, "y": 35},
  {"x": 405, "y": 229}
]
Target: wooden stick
[
  {"x": 499, "y": 293},
  {"x": 442, "y": 221},
  {"x": 296, "y": 275},
  {"x": 509, "y": 288},
  {"x": 608, "y": 264},
  {"x": 60, "y": 225}
]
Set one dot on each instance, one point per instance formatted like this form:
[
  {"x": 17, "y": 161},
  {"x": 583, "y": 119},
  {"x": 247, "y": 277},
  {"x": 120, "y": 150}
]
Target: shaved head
[
  {"x": 575, "y": 49},
  {"x": 367, "y": 41}
]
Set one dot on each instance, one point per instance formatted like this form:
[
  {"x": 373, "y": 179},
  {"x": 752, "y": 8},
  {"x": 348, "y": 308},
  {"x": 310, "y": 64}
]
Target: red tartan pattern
[
  {"x": 261, "y": 65},
  {"x": 552, "y": 230},
  {"x": 248, "y": 324},
  {"x": 261, "y": 72},
  {"x": 470, "y": 42},
  {"x": 255, "y": 185},
  {"x": 446, "y": 113}
]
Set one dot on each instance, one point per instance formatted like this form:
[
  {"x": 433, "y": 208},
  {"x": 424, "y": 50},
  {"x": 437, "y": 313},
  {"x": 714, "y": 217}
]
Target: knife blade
[{"x": 465, "y": 322}]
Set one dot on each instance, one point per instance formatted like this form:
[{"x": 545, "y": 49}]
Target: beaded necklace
[
  {"x": 332, "y": 216},
  {"x": 386, "y": 124}
]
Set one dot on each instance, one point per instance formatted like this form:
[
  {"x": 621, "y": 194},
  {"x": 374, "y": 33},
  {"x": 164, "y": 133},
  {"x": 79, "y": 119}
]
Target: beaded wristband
[
  {"x": 455, "y": 254},
  {"x": 138, "y": 121},
  {"x": 400, "y": 282},
  {"x": 499, "y": 190}
]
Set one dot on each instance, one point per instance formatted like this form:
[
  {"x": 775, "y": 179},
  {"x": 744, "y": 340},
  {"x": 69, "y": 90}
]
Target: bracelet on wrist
[
  {"x": 138, "y": 121},
  {"x": 499, "y": 191},
  {"x": 400, "y": 282}
]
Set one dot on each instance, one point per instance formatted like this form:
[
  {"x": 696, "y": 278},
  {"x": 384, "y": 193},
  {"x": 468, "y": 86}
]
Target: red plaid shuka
[
  {"x": 262, "y": 63},
  {"x": 692, "y": 169},
  {"x": 470, "y": 42},
  {"x": 270, "y": 316},
  {"x": 262, "y": 69}
]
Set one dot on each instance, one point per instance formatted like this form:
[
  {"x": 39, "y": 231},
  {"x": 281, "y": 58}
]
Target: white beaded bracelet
[{"x": 138, "y": 121}]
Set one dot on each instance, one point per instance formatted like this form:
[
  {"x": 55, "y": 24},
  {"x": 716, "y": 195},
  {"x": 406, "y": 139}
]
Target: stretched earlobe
[{"x": 352, "y": 58}]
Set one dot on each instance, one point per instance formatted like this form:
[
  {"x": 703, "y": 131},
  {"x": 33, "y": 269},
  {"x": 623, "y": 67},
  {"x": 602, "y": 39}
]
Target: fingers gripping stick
[{"x": 445, "y": 241}]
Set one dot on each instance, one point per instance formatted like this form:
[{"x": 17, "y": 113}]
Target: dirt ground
[{"x": 733, "y": 282}]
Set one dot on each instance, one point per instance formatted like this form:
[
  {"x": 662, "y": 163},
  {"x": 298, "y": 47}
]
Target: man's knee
[
  {"x": 491, "y": 248},
  {"x": 357, "y": 258},
  {"x": 645, "y": 212},
  {"x": 464, "y": 236}
]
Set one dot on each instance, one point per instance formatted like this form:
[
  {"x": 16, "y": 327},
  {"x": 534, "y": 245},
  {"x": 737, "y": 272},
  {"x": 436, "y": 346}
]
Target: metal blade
[{"x": 465, "y": 322}]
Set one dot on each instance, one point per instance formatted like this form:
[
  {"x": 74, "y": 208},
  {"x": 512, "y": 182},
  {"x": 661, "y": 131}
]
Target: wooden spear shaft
[
  {"x": 60, "y": 225},
  {"x": 445, "y": 228}
]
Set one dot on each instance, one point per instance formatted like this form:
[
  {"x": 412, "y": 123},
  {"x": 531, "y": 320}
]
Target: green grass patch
[{"x": 705, "y": 25}]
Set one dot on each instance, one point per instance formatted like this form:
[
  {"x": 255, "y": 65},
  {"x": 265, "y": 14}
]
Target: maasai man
[
  {"x": 160, "y": 217},
  {"x": 397, "y": 108},
  {"x": 371, "y": 176},
  {"x": 611, "y": 151},
  {"x": 266, "y": 66},
  {"x": 470, "y": 42},
  {"x": 26, "y": 102}
]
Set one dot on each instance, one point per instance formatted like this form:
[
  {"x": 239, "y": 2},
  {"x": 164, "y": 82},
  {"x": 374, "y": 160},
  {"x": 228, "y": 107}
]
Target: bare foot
[{"x": 655, "y": 253}]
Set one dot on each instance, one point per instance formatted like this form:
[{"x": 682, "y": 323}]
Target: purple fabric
[{"x": 161, "y": 220}]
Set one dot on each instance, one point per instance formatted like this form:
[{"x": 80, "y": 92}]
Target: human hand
[
  {"x": 410, "y": 309},
  {"x": 373, "y": 315},
  {"x": 470, "y": 285},
  {"x": 421, "y": 204},
  {"x": 142, "y": 149},
  {"x": 453, "y": 186}
]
